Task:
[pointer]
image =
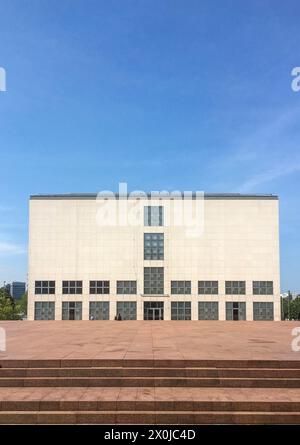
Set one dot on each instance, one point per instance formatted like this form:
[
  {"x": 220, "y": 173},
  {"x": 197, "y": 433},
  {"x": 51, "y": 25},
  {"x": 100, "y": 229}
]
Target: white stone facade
[{"x": 239, "y": 242}]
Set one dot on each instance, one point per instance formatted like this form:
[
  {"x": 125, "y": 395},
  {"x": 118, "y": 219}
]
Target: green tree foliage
[
  {"x": 8, "y": 308},
  {"x": 23, "y": 304},
  {"x": 291, "y": 308}
]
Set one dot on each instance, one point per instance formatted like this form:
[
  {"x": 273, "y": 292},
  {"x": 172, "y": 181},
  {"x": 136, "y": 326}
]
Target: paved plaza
[{"x": 151, "y": 340}]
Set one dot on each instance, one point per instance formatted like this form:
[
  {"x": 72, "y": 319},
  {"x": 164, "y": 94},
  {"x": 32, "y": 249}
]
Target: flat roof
[{"x": 155, "y": 195}]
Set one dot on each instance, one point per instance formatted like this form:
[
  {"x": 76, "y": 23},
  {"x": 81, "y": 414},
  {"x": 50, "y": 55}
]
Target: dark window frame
[
  {"x": 153, "y": 280},
  {"x": 208, "y": 310},
  {"x": 181, "y": 287},
  {"x": 44, "y": 287},
  {"x": 72, "y": 287},
  {"x": 99, "y": 287},
  {"x": 235, "y": 287},
  {"x": 208, "y": 287},
  {"x": 43, "y": 310},
  {"x": 99, "y": 310},
  {"x": 127, "y": 309},
  {"x": 262, "y": 287},
  {"x": 126, "y": 287},
  {"x": 181, "y": 310}
]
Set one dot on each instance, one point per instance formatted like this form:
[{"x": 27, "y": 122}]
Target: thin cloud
[
  {"x": 268, "y": 176},
  {"x": 8, "y": 248},
  {"x": 267, "y": 154}
]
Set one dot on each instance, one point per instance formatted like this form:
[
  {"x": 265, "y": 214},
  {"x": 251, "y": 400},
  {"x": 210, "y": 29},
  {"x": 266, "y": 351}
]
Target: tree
[
  {"x": 22, "y": 304},
  {"x": 291, "y": 308}
]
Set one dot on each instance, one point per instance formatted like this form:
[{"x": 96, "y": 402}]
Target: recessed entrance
[
  {"x": 235, "y": 310},
  {"x": 153, "y": 310}
]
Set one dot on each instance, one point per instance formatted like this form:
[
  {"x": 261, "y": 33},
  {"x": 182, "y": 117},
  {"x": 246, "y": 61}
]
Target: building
[
  {"x": 16, "y": 289},
  {"x": 81, "y": 267}
]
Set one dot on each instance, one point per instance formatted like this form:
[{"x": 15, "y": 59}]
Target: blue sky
[{"x": 161, "y": 94}]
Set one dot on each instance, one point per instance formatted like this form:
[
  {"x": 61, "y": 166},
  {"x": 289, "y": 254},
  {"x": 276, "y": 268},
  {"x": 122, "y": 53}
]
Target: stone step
[
  {"x": 149, "y": 382},
  {"x": 145, "y": 363},
  {"x": 151, "y": 372},
  {"x": 148, "y": 417},
  {"x": 146, "y": 405}
]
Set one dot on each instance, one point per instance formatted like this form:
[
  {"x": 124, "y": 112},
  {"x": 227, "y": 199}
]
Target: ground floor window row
[
  {"x": 180, "y": 310},
  {"x": 154, "y": 284}
]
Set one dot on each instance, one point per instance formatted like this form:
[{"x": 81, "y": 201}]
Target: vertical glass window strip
[
  {"x": 126, "y": 287},
  {"x": 153, "y": 246},
  {"x": 154, "y": 280}
]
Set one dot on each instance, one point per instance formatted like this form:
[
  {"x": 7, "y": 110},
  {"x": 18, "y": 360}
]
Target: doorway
[
  {"x": 235, "y": 314},
  {"x": 153, "y": 310},
  {"x": 154, "y": 314},
  {"x": 235, "y": 310}
]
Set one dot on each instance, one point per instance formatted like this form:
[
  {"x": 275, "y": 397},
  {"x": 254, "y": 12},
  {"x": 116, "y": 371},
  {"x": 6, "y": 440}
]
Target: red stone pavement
[{"x": 186, "y": 340}]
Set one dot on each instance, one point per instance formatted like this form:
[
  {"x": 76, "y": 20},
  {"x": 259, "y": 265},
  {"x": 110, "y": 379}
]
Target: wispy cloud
[
  {"x": 8, "y": 248},
  {"x": 5, "y": 208},
  {"x": 266, "y": 154},
  {"x": 269, "y": 175}
]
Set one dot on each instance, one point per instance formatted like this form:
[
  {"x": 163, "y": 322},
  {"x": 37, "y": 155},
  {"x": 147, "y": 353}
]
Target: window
[
  {"x": 263, "y": 311},
  {"x": 180, "y": 287},
  {"x": 235, "y": 287},
  {"x": 153, "y": 280},
  {"x": 235, "y": 310},
  {"x": 127, "y": 310},
  {"x": 208, "y": 287},
  {"x": 262, "y": 287},
  {"x": 126, "y": 287},
  {"x": 180, "y": 310},
  {"x": 44, "y": 287},
  {"x": 99, "y": 287},
  {"x": 153, "y": 215},
  {"x": 72, "y": 287},
  {"x": 44, "y": 310},
  {"x": 153, "y": 246},
  {"x": 99, "y": 310},
  {"x": 72, "y": 310},
  {"x": 208, "y": 310}
]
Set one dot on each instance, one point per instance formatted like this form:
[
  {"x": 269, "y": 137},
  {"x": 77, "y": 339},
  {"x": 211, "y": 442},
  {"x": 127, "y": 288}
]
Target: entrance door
[
  {"x": 235, "y": 310},
  {"x": 235, "y": 314},
  {"x": 71, "y": 314},
  {"x": 153, "y": 310},
  {"x": 154, "y": 314}
]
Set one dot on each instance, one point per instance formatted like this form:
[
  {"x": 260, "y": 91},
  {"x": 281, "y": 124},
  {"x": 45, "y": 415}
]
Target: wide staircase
[{"x": 149, "y": 391}]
